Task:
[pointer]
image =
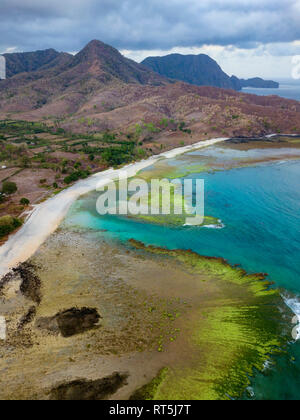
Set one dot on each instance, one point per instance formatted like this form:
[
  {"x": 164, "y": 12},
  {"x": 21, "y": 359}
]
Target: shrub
[
  {"x": 9, "y": 187},
  {"x": 75, "y": 176},
  {"x": 24, "y": 202},
  {"x": 8, "y": 224}
]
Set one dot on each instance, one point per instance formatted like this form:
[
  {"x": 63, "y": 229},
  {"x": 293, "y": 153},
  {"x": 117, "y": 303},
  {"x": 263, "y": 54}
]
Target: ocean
[
  {"x": 259, "y": 207},
  {"x": 289, "y": 89}
]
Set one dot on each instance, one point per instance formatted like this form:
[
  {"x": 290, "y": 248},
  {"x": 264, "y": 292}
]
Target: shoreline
[{"x": 46, "y": 217}]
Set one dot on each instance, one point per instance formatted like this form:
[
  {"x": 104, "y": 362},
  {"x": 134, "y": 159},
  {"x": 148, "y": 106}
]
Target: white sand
[{"x": 46, "y": 217}]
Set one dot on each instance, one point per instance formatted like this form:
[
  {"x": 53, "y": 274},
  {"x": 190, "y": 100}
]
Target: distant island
[
  {"x": 257, "y": 82},
  {"x": 201, "y": 70}
]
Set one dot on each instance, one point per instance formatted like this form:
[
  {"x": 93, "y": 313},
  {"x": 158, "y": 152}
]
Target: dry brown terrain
[{"x": 99, "y": 89}]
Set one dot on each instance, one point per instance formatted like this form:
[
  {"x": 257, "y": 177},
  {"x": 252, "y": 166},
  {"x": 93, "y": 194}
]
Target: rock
[
  {"x": 27, "y": 318},
  {"x": 84, "y": 390},
  {"x": 31, "y": 283},
  {"x": 70, "y": 322}
]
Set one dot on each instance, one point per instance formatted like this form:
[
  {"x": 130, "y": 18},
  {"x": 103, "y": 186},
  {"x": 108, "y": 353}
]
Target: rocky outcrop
[
  {"x": 84, "y": 390},
  {"x": 70, "y": 322},
  {"x": 27, "y": 318},
  {"x": 30, "y": 282}
]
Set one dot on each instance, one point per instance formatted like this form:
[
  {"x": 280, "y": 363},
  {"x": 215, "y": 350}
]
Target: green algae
[
  {"x": 233, "y": 333},
  {"x": 163, "y": 170},
  {"x": 149, "y": 391},
  {"x": 171, "y": 194},
  {"x": 175, "y": 220}
]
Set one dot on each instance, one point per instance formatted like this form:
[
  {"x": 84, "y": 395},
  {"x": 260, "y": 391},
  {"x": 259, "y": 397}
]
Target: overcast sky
[{"x": 247, "y": 37}]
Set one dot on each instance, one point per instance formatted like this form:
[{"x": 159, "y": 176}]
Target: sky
[{"x": 247, "y": 38}]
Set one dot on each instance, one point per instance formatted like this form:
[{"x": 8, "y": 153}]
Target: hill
[{"x": 100, "y": 90}]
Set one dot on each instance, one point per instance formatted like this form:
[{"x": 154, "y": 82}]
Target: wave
[
  {"x": 294, "y": 305},
  {"x": 220, "y": 225}
]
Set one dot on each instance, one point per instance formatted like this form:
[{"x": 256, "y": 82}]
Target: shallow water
[{"x": 260, "y": 209}]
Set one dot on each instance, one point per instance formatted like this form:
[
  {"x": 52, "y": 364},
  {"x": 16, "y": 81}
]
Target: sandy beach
[{"x": 46, "y": 217}]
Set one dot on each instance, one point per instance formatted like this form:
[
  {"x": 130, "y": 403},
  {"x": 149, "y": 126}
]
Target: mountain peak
[
  {"x": 97, "y": 50},
  {"x": 107, "y": 63}
]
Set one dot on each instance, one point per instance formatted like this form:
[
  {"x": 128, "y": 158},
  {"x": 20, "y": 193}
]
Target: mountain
[
  {"x": 65, "y": 81},
  {"x": 96, "y": 59},
  {"x": 200, "y": 70},
  {"x": 31, "y": 61},
  {"x": 98, "y": 90},
  {"x": 106, "y": 62}
]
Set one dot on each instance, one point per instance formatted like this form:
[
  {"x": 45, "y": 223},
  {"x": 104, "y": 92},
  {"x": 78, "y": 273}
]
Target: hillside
[
  {"x": 200, "y": 70},
  {"x": 66, "y": 82},
  {"x": 31, "y": 61},
  {"x": 98, "y": 89}
]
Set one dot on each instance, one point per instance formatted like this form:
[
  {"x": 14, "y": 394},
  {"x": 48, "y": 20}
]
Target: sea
[
  {"x": 289, "y": 89},
  {"x": 259, "y": 207}
]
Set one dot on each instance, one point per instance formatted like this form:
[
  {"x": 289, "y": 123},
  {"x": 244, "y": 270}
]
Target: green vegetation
[
  {"x": 182, "y": 127},
  {"x": 118, "y": 155},
  {"x": 9, "y": 187},
  {"x": 26, "y": 144},
  {"x": 235, "y": 330},
  {"x": 24, "y": 202},
  {"x": 8, "y": 224},
  {"x": 75, "y": 176},
  {"x": 148, "y": 391}
]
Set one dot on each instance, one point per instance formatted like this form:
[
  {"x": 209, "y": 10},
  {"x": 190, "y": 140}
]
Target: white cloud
[{"x": 240, "y": 34}]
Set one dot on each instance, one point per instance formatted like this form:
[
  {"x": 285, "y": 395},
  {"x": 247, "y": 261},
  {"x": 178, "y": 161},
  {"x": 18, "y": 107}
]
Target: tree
[
  {"x": 9, "y": 187},
  {"x": 8, "y": 224},
  {"x": 24, "y": 202},
  {"x": 25, "y": 161}
]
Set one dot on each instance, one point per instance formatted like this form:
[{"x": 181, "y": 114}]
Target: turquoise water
[{"x": 260, "y": 208}]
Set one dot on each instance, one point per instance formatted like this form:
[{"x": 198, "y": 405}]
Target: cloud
[
  {"x": 247, "y": 37},
  {"x": 147, "y": 25}
]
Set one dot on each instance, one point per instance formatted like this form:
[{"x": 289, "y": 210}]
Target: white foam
[
  {"x": 294, "y": 305},
  {"x": 218, "y": 226}
]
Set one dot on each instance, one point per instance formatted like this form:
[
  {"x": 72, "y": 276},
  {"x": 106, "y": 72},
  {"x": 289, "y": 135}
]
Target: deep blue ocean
[{"x": 260, "y": 208}]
